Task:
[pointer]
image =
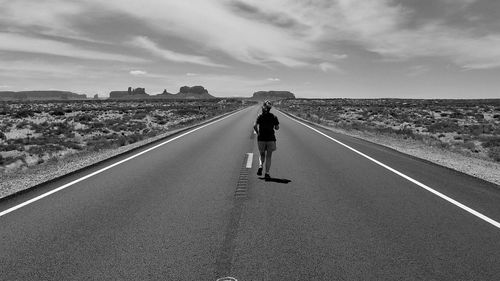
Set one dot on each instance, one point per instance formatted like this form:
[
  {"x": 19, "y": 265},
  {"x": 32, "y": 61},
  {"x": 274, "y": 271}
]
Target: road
[{"x": 190, "y": 209}]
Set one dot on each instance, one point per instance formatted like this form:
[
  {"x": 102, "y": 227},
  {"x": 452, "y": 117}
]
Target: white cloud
[
  {"x": 48, "y": 17},
  {"x": 273, "y": 79},
  {"x": 146, "y": 44},
  {"x": 21, "y": 43},
  {"x": 434, "y": 40},
  {"x": 38, "y": 68},
  {"x": 264, "y": 32},
  {"x": 138, "y": 72},
  {"x": 380, "y": 27},
  {"x": 326, "y": 66},
  {"x": 244, "y": 39},
  {"x": 212, "y": 25}
]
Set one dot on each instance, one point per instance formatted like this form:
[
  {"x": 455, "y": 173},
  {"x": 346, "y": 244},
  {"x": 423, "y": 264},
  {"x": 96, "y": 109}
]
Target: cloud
[
  {"x": 273, "y": 79},
  {"x": 150, "y": 46},
  {"x": 214, "y": 25},
  {"x": 253, "y": 32},
  {"x": 462, "y": 4},
  {"x": 435, "y": 40},
  {"x": 275, "y": 18},
  {"x": 326, "y": 66},
  {"x": 52, "y": 17},
  {"x": 380, "y": 26},
  {"x": 38, "y": 69},
  {"x": 418, "y": 70},
  {"x": 290, "y": 33},
  {"x": 138, "y": 72},
  {"x": 20, "y": 43}
]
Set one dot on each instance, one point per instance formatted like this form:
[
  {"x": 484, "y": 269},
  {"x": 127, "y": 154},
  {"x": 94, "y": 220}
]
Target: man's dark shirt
[{"x": 266, "y": 122}]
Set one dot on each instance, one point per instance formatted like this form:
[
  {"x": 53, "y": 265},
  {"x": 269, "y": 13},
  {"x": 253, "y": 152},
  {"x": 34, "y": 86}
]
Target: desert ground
[{"x": 41, "y": 139}]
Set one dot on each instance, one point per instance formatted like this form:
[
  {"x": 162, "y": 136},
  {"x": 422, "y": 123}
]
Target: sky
[{"x": 313, "y": 48}]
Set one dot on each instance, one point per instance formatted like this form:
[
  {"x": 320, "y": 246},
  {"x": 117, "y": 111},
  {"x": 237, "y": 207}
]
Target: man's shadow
[{"x": 285, "y": 181}]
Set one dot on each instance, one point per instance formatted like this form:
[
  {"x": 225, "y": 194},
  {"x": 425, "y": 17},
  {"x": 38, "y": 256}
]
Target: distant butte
[
  {"x": 185, "y": 92},
  {"x": 273, "y": 95},
  {"x": 40, "y": 95}
]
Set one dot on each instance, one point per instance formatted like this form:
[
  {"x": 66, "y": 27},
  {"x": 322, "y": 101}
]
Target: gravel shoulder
[{"x": 479, "y": 168}]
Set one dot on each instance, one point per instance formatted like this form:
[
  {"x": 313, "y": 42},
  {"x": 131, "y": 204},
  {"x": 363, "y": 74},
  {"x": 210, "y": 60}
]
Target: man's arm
[{"x": 277, "y": 124}]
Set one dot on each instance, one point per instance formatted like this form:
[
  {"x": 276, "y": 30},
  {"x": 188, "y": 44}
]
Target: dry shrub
[{"x": 494, "y": 153}]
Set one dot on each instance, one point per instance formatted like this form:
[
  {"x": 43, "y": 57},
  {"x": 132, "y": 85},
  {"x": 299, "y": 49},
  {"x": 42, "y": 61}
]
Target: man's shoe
[
  {"x": 267, "y": 176},
  {"x": 259, "y": 172}
]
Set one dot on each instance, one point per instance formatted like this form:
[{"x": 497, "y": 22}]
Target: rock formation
[
  {"x": 195, "y": 92},
  {"x": 137, "y": 93},
  {"x": 186, "y": 92},
  {"x": 40, "y": 95},
  {"x": 272, "y": 95}
]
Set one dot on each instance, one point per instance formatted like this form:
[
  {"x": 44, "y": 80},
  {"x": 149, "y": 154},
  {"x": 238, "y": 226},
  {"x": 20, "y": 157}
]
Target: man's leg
[
  {"x": 261, "y": 161},
  {"x": 262, "y": 151},
  {"x": 271, "y": 146},
  {"x": 268, "y": 155}
]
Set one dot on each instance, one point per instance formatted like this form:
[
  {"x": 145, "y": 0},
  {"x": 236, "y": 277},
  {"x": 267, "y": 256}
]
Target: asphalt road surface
[{"x": 190, "y": 209}]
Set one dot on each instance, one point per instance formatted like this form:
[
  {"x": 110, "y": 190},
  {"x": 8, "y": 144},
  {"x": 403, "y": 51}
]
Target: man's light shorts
[{"x": 266, "y": 146}]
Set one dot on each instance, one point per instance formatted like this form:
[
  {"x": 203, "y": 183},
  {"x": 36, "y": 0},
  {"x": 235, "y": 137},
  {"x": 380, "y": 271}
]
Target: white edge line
[
  {"x": 109, "y": 167},
  {"x": 452, "y": 201},
  {"x": 249, "y": 160}
]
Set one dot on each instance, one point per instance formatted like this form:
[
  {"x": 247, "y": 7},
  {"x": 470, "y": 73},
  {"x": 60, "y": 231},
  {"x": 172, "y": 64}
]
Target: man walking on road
[{"x": 264, "y": 126}]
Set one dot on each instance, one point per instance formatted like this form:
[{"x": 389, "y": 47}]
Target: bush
[
  {"x": 57, "y": 112},
  {"x": 25, "y": 113},
  {"x": 134, "y": 138},
  {"x": 83, "y": 118},
  {"x": 491, "y": 142},
  {"x": 187, "y": 111},
  {"x": 494, "y": 153},
  {"x": 139, "y": 115},
  {"x": 469, "y": 145},
  {"x": 11, "y": 146},
  {"x": 36, "y": 150},
  {"x": 444, "y": 127},
  {"x": 73, "y": 145},
  {"x": 99, "y": 144},
  {"x": 122, "y": 141}
]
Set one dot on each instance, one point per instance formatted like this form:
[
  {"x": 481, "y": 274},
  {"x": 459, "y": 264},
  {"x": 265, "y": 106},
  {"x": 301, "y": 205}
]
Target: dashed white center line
[{"x": 249, "y": 160}]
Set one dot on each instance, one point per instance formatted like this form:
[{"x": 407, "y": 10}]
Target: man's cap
[{"x": 267, "y": 104}]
